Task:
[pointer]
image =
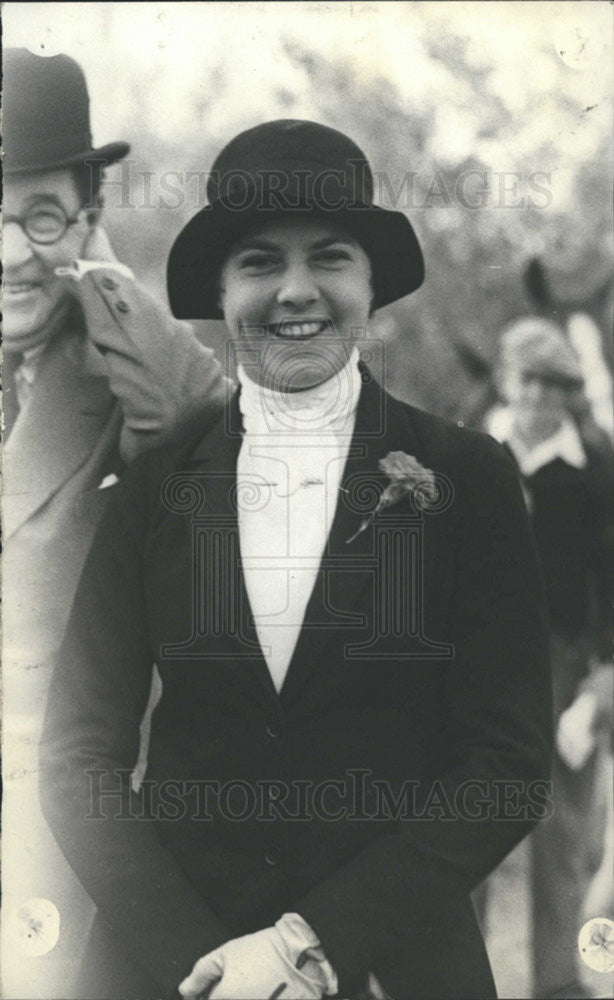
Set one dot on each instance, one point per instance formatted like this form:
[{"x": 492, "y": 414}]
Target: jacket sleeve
[
  {"x": 90, "y": 744},
  {"x": 495, "y": 723},
  {"x": 166, "y": 382}
]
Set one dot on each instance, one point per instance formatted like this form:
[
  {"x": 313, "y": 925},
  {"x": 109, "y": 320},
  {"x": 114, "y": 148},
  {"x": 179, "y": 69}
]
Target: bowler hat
[
  {"x": 289, "y": 167},
  {"x": 537, "y": 346},
  {"x": 45, "y": 115}
]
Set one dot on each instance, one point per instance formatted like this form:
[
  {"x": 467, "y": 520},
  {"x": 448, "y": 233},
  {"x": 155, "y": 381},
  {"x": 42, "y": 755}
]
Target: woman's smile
[
  {"x": 297, "y": 329},
  {"x": 296, "y": 281}
]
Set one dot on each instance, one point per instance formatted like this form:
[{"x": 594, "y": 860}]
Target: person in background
[
  {"x": 303, "y": 507},
  {"x": 581, "y": 317},
  {"x": 567, "y": 481},
  {"x": 95, "y": 372}
]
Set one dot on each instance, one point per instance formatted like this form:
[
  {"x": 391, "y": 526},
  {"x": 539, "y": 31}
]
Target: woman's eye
[
  {"x": 333, "y": 256},
  {"x": 257, "y": 262}
]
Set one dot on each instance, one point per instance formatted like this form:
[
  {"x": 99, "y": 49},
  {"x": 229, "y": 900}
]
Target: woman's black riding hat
[{"x": 289, "y": 167}]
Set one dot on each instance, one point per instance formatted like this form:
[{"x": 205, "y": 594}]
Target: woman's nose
[
  {"x": 535, "y": 389},
  {"x": 531, "y": 387},
  {"x": 298, "y": 287},
  {"x": 17, "y": 247}
]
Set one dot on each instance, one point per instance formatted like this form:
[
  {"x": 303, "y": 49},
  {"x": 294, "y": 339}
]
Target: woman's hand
[{"x": 257, "y": 965}]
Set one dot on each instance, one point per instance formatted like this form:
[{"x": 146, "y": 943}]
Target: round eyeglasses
[{"x": 43, "y": 224}]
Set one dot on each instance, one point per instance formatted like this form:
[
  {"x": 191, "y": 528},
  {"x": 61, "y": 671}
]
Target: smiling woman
[
  {"x": 289, "y": 168},
  {"x": 291, "y": 237},
  {"x": 298, "y": 290},
  {"x": 313, "y": 619}
]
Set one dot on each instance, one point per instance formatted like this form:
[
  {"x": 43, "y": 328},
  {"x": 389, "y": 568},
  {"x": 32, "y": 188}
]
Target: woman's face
[
  {"x": 297, "y": 292},
  {"x": 539, "y": 403}
]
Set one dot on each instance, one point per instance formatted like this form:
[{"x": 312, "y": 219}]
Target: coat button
[
  {"x": 273, "y": 731},
  {"x": 273, "y": 857},
  {"x": 109, "y": 283},
  {"x": 122, "y": 306}
]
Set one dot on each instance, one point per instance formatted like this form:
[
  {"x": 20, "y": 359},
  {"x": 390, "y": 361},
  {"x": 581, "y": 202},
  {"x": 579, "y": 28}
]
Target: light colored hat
[{"x": 537, "y": 346}]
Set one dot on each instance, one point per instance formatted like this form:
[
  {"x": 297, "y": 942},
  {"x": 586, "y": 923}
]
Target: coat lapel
[
  {"x": 381, "y": 426},
  {"x": 216, "y": 456},
  {"x": 56, "y": 430}
]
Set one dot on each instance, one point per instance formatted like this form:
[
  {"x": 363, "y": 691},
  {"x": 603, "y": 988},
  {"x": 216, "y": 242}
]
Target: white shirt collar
[
  {"x": 28, "y": 368},
  {"x": 326, "y": 407},
  {"x": 565, "y": 443},
  {"x": 292, "y": 457}
]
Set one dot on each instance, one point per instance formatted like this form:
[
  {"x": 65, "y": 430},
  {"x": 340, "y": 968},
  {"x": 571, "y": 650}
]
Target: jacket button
[
  {"x": 109, "y": 283},
  {"x": 273, "y": 857},
  {"x": 273, "y": 731},
  {"x": 122, "y": 306}
]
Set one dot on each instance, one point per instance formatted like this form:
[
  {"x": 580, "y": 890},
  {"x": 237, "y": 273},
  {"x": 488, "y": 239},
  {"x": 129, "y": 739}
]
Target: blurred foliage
[{"x": 455, "y": 100}]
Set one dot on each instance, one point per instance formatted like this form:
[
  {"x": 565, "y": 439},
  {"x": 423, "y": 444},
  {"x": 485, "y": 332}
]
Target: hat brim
[
  {"x": 202, "y": 246},
  {"x": 105, "y": 155}
]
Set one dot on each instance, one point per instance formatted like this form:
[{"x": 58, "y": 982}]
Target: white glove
[
  {"x": 255, "y": 966},
  {"x": 575, "y": 737}
]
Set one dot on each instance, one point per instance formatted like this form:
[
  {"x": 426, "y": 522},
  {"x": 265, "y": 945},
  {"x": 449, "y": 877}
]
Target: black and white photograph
[{"x": 307, "y": 500}]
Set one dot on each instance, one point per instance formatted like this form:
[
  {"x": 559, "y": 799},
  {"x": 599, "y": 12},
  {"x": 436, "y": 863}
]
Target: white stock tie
[{"x": 288, "y": 475}]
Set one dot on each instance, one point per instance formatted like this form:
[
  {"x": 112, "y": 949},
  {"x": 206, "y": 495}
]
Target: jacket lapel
[
  {"x": 381, "y": 426},
  {"x": 56, "y": 430},
  {"x": 336, "y": 601},
  {"x": 226, "y": 595}
]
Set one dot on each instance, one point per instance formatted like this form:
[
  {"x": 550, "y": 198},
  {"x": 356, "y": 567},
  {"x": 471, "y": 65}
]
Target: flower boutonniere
[{"x": 406, "y": 475}]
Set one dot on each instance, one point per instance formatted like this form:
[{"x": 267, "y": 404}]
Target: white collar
[
  {"x": 326, "y": 407},
  {"x": 31, "y": 359},
  {"x": 565, "y": 443}
]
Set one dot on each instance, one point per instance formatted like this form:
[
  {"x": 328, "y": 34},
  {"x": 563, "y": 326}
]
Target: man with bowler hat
[
  {"x": 95, "y": 373},
  {"x": 342, "y": 596}
]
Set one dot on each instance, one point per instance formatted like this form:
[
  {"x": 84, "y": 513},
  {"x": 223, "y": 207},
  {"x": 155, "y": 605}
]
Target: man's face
[
  {"x": 538, "y": 401},
  {"x": 32, "y": 292},
  {"x": 298, "y": 291}
]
